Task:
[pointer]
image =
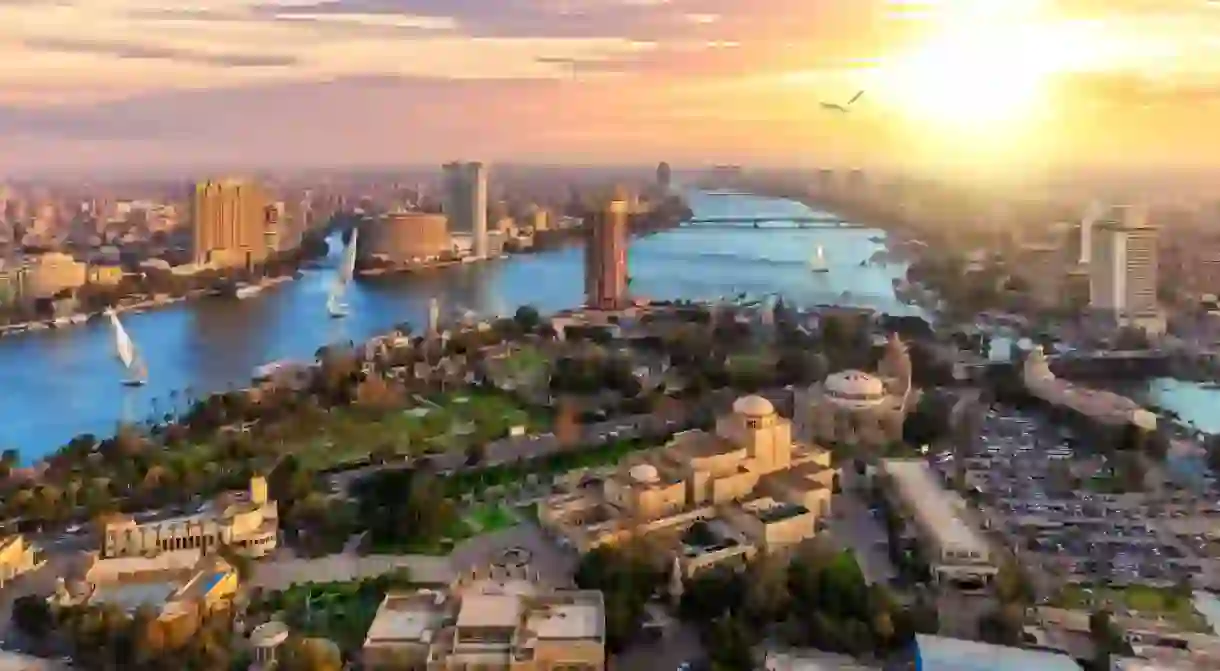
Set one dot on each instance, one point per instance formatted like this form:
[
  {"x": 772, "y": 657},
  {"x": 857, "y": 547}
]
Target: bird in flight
[{"x": 836, "y": 107}]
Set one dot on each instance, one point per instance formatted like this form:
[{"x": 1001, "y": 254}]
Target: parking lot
[{"x": 1082, "y": 517}]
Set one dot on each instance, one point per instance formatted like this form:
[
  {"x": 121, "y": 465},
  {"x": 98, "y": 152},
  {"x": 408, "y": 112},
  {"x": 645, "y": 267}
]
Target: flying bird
[{"x": 836, "y": 107}]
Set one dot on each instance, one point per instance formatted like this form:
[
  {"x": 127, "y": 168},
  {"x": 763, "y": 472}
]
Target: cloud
[{"x": 135, "y": 51}]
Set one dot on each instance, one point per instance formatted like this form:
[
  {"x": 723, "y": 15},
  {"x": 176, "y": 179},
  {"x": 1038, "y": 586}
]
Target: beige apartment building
[
  {"x": 492, "y": 618},
  {"x": 230, "y": 220},
  {"x": 749, "y": 486},
  {"x": 17, "y": 556},
  {"x": 247, "y": 521}
]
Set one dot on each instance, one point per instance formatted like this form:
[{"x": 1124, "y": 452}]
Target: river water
[{"x": 57, "y": 384}]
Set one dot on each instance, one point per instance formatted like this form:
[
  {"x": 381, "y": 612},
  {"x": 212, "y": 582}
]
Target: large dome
[
  {"x": 644, "y": 473},
  {"x": 753, "y": 406},
  {"x": 855, "y": 389}
]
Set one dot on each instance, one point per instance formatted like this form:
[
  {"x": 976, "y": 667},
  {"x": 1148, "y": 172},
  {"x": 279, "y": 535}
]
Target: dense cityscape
[
  {"x": 676, "y": 482},
  {"x": 609, "y": 335}
]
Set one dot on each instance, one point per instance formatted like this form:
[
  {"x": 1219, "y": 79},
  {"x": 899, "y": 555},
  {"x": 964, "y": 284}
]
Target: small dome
[
  {"x": 644, "y": 473},
  {"x": 269, "y": 634},
  {"x": 753, "y": 406}
]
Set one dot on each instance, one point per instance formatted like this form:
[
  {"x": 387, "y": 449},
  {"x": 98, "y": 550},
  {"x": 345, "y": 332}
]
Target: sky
[{"x": 965, "y": 84}]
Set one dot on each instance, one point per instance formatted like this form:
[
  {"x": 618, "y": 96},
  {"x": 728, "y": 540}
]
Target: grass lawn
[
  {"x": 443, "y": 422},
  {"x": 526, "y": 363},
  {"x": 340, "y": 611},
  {"x": 748, "y": 363},
  {"x": 507, "y": 474},
  {"x": 1147, "y": 601},
  {"x": 489, "y": 518}
]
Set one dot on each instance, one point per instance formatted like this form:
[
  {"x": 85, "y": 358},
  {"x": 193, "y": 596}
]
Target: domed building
[
  {"x": 853, "y": 408},
  {"x": 754, "y": 488}
]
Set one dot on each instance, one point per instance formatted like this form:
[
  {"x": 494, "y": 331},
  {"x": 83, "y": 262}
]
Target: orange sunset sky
[{"x": 136, "y": 83}]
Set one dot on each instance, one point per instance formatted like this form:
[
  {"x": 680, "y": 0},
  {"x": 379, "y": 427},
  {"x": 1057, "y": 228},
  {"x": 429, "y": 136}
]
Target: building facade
[
  {"x": 406, "y": 237},
  {"x": 715, "y": 498},
  {"x": 229, "y": 220},
  {"x": 855, "y": 408},
  {"x": 606, "y": 256},
  {"x": 17, "y": 556},
  {"x": 50, "y": 273},
  {"x": 466, "y": 202},
  {"x": 246, "y": 521},
  {"x": 498, "y": 617},
  {"x": 1123, "y": 269},
  {"x": 956, "y": 552}
]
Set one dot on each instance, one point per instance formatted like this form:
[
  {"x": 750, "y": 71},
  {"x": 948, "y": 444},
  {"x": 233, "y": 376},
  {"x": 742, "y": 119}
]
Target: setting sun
[{"x": 986, "y": 73}]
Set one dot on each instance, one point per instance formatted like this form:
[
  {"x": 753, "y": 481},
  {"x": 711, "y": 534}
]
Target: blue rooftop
[{"x": 936, "y": 653}]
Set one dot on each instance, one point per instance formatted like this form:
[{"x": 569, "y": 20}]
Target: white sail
[
  {"x": 123, "y": 346},
  {"x": 818, "y": 262},
  {"x": 128, "y": 355},
  {"x": 347, "y": 270}
]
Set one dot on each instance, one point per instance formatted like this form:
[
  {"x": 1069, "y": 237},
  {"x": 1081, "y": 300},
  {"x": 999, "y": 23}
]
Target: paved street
[
  {"x": 679, "y": 645},
  {"x": 283, "y": 573},
  {"x": 554, "y": 566},
  {"x": 853, "y": 527}
]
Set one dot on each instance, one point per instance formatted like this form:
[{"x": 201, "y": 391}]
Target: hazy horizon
[{"x": 1009, "y": 87}]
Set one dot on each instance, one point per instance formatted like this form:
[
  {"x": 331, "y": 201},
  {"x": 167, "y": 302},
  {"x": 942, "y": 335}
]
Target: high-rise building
[
  {"x": 466, "y": 202},
  {"x": 1123, "y": 266},
  {"x": 434, "y": 317},
  {"x": 664, "y": 176},
  {"x": 230, "y": 223},
  {"x": 1091, "y": 215},
  {"x": 606, "y": 255}
]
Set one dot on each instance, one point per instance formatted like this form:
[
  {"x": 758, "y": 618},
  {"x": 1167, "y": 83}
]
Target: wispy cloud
[
  {"x": 560, "y": 73},
  {"x": 153, "y": 52}
]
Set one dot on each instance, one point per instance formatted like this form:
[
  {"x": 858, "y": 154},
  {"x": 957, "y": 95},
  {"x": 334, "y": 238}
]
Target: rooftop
[
  {"x": 575, "y": 616},
  {"x": 406, "y": 617},
  {"x": 933, "y": 506},
  {"x": 936, "y": 653},
  {"x": 768, "y": 510},
  {"x": 490, "y": 610}
]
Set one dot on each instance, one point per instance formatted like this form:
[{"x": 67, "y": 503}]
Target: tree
[
  {"x": 311, "y": 654},
  {"x": 527, "y": 318},
  {"x": 32, "y": 616}
]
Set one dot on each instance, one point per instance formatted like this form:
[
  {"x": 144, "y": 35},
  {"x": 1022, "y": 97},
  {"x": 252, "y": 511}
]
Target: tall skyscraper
[
  {"x": 1091, "y": 215},
  {"x": 229, "y": 218},
  {"x": 606, "y": 255},
  {"x": 466, "y": 202},
  {"x": 1123, "y": 266},
  {"x": 664, "y": 176}
]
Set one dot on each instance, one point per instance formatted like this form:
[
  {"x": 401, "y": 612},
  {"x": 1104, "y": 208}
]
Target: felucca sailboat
[
  {"x": 818, "y": 263},
  {"x": 347, "y": 269},
  {"x": 125, "y": 350}
]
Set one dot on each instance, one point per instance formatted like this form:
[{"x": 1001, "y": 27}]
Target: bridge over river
[{"x": 778, "y": 221}]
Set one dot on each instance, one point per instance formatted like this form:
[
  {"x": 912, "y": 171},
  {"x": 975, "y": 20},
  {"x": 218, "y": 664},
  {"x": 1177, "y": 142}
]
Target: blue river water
[{"x": 57, "y": 384}]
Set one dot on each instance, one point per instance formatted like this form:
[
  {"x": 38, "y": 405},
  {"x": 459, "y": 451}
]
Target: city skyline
[{"x": 1021, "y": 83}]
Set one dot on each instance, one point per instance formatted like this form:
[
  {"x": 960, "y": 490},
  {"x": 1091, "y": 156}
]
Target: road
[
  {"x": 534, "y": 446},
  {"x": 681, "y": 643},
  {"x": 853, "y": 527}
]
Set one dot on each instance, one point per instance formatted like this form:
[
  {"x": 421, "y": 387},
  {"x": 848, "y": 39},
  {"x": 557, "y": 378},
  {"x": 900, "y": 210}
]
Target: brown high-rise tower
[
  {"x": 230, "y": 223},
  {"x": 606, "y": 255}
]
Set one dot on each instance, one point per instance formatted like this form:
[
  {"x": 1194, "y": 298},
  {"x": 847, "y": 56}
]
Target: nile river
[{"x": 57, "y": 384}]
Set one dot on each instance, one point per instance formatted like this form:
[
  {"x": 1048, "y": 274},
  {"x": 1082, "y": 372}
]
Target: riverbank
[{"x": 126, "y": 306}]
